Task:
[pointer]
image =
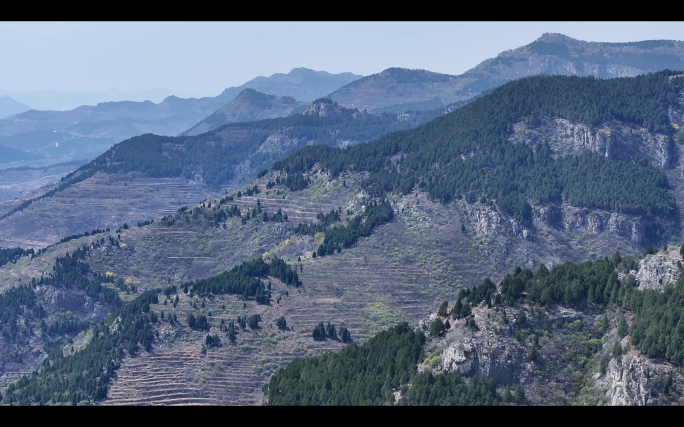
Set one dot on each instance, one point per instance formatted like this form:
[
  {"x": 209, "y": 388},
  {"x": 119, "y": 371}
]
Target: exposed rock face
[
  {"x": 323, "y": 109},
  {"x": 613, "y": 140},
  {"x": 278, "y": 143},
  {"x": 64, "y": 299},
  {"x": 482, "y": 353},
  {"x": 634, "y": 379},
  {"x": 656, "y": 271},
  {"x": 599, "y": 221},
  {"x": 493, "y": 351},
  {"x": 491, "y": 222},
  {"x": 74, "y": 301}
]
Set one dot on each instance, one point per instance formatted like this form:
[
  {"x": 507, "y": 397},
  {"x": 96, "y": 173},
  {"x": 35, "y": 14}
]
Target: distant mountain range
[
  {"x": 88, "y": 131},
  {"x": 300, "y": 83},
  {"x": 9, "y": 107},
  {"x": 11, "y": 155},
  {"x": 248, "y": 106},
  {"x": 396, "y": 89}
]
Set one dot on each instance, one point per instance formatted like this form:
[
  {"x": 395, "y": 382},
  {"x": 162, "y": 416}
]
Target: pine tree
[
  {"x": 443, "y": 309},
  {"x": 519, "y": 395},
  {"x": 281, "y": 323},
  {"x": 507, "y": 396},
  {"x": 522, "y": 318},
  {"x": 622, "y": 326}
]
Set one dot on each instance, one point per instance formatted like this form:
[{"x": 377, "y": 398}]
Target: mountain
[
  {"x": 552, "y": 170},
  {"x": 9, "y": 107},
  {"x": 398, "y": 89},
  {"x": 8, "y": 155},
  {"x": 185, "y": 169},
  {"x": 531, "y": 340},
  {"x": 64, "y": 100},
  {"x": 302, "y": 84},
  {"x": 248, "y": 106},
  {"x": 88, "y": 131}
]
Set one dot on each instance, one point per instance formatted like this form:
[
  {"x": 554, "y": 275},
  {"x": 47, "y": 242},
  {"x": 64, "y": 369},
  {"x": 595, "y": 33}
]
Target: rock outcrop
[
  {"x": 657, "y": 270},
  {"x": 614, "y": 140}
]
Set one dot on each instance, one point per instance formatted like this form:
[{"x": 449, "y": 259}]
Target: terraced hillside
[{"x": 103, "y": 201}]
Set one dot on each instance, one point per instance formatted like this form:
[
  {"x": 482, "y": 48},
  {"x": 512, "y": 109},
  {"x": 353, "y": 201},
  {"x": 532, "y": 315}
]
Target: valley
[{"x": 517, "y": 243}]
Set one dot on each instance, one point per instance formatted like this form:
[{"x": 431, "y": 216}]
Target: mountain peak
[{"x": 555, "y": 38}]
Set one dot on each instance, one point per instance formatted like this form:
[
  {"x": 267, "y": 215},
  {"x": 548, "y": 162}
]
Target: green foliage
[
  {"x": 281, "y": 323},
  {"x": 243, "y": 280},
  {"x": 70, "y": 272},
  {"x": 12, "y": 303},
  {"x": 13, "y": 254},
  {"x": 437, "y": 328},
  {"x": 212, "y": 341},
  {"x": 319, "y": 332},
  {"x": 345, "y": 335},
  {"x": 449, "y": 389},
  {"x": 519, "y": 395},
  {"x": 622, "y": 328},
  {"x": 443, "y": 309},
  {"x": 467, "y": 153},
  {"x": 253, "y": 321},
  {"x": 356, "y": 375},
  {"x": 86, "y": 374},
  {"x": 325, "y": 221},
  {"x": 522, "y": 318},
  {"x": 339, "y": 237}
]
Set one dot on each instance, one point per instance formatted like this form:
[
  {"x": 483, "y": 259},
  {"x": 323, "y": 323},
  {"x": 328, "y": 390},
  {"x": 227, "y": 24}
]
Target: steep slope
[
  {"x": 398, "y": 90},
  {"x": 399, "y": 273},
  {"x": 553, "y": 336},
  {"x": 20, "y": 181},
  {"x": 473, "y": 152},
  {"x": 365, "y": 269},
  {"x": 9, "y": 107},
  {"x": 149, "y": 176},
  {"x": 248, "y": 106}
]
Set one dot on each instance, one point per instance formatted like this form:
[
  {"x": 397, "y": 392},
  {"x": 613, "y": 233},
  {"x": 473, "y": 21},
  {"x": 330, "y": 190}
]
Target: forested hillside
[
  {"x": 467, "y": 154},
  {"x": 399, "y": 366},
  {"x": 212, "y": 157}
]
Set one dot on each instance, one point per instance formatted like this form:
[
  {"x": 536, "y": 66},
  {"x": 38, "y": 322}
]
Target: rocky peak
[{"x": 323, "y": 107}]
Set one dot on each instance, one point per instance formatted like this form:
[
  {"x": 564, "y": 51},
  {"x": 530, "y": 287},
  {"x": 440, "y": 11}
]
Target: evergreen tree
[
  {"x": 622, "y": 326},
  {"x": 437, "y": 328},
  {"x": 519, "y": 395},
  {"x": 319, "y": 332},
  {"x": 443, "y": 309},
  {"x": 522, "y": 318}
]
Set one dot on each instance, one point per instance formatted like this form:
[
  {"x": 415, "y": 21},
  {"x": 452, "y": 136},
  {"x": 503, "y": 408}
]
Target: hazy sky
[{"x": 201, "y": 59}]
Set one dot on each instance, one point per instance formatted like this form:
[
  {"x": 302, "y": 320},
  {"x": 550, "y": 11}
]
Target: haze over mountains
[
  {"x": 9, "y": 107},
  {"x": 397, "y": 90},
  {"x": 469, "y": 252}
]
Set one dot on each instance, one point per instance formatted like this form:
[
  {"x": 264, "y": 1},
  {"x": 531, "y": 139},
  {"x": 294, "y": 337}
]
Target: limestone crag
[
  {"x": 614, "y": 140},
  {"x": 635, "y": 380},
  {"x": 323, "y": 109},
  {"x": 489, "y": 221},
  {"x": 482, "y": 353},
  {"x": 599, "y": 221},
  {"x": 71, "y": 300},
  {"x": 656, "y": 271},
  {"x": 279, "y": 142}
]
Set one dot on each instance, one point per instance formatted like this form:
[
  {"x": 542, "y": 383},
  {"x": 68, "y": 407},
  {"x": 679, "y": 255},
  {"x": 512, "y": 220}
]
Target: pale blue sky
[{"x": 201, "y": 59}]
